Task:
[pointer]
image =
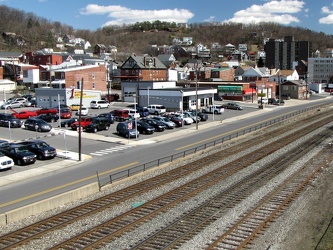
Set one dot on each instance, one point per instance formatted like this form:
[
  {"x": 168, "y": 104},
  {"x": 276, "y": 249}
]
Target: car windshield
[
  {"x": 42, "y": 145},
  {"x": 21, "y": 149}
]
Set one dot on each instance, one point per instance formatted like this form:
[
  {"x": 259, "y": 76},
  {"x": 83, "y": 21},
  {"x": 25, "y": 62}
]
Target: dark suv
[
  {"x": 36, "y": 124},
  {"x": 97, "y": 124},
  {"x": 41, "y": 149},
  {"x": 19, "y": 153},
  {"x": 109, "y": 116},
  {"x": 9, "y": 119}
]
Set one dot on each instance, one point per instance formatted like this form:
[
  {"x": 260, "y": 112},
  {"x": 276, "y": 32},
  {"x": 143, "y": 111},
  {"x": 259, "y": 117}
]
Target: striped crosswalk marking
[{"x": 110, "y": 150}]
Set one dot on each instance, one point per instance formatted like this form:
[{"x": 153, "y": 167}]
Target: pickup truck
[{"x": 216, "y": 109}]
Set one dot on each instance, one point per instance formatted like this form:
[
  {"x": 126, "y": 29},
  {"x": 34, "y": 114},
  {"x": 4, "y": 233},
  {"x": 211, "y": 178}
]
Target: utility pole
[{"x": 80, "y": 127}]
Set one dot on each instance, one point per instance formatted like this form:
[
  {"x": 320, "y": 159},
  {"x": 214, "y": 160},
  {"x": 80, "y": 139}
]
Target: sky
[{"x": 316, "y": 15}]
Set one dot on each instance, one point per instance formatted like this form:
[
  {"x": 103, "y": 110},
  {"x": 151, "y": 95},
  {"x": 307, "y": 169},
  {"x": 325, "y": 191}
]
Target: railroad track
[
  {"x": 23, "y": 236},
  {"x": 192, "y": 223}
]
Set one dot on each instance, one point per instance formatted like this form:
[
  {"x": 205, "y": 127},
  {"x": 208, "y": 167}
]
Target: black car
[
  {"x": 49, "y": 117},
  {"x": 159, "y": 126},
  {"x": 19, "y": 153},
  {"x": 203, "y": 116},
  {"x": 97, "y": 124},
  {"x": 143, "y": 127},
  {"x": 68, "y": 122},
  {"x": 37, "y": 124},
  {"x": 41, "y": 149},
  {"x": 109, "y": 116},
  {"x": 7, "y": 120}
]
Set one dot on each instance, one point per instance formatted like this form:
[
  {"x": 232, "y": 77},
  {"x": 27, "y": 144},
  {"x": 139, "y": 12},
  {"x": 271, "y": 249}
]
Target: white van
[
  {"x": 99, "y": 104},
  {"x": 156, "y": 109}
]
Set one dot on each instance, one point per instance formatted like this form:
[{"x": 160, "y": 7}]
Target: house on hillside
[{"x": 143, "y": 68}]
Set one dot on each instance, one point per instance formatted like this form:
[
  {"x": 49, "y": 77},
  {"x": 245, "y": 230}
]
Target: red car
[
  {"x": 84, "y": 122},
  {"x": 47, "y": 111},
  {"x": 65, "y": 113},
  {"x": 25, "y": 114}
]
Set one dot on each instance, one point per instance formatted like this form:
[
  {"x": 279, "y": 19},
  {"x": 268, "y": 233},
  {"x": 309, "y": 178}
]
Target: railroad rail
[
  {"x": 105, "y": 233},
  {"x": 37, "y": 230}
]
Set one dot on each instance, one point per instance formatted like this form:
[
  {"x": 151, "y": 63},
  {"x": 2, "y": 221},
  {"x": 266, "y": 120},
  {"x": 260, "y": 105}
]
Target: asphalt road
[{"x": 104, "y": 160}]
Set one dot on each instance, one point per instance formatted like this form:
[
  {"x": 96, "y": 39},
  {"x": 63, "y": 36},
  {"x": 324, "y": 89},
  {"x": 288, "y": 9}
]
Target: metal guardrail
[{"x": 155, "y": 163}]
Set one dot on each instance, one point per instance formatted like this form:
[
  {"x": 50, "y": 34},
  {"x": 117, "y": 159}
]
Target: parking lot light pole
[{"x": 136, "y": 126}]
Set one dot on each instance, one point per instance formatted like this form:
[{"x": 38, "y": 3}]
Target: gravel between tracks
[{"x": 299, "y": 227}]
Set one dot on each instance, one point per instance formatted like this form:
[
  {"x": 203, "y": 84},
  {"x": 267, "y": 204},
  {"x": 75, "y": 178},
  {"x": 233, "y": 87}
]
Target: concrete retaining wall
[{"x": 48, "y": 204}]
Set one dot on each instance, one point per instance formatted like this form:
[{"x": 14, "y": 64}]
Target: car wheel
[
  {"x": 95, "y": 130},
  {"x": 203, "y": 111},
  {"x": 40, "y": 157},
  {"x": 155, "y": 113},
  {"x": 107, "y": 128},
  {"x": 21, "y": 106},
  {"x": 52, "y": 120},
  {"x": 19, "y": 162},
  {"x": 39, "y": 130},
  {"x": 99, "y": 107}
]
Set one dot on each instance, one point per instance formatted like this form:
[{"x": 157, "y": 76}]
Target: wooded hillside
[{"x": 41, "y": 33}]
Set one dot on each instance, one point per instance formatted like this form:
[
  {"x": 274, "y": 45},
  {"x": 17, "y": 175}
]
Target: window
[
  {"x": 93, "y": 85},
  {"x": 25, "y": 73},
  {"x": 93, "y": 75},
  {"x": 62, "y": 75}
]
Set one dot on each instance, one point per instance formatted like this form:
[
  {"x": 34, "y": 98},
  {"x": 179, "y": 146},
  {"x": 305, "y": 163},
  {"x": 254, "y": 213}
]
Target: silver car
[
  {"x": 166, "y": 121},
  {"x": 13, "y": 104}
]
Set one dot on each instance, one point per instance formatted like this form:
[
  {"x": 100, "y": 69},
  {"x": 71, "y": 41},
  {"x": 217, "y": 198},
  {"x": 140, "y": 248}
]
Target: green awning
[{"x": 237, "y": 89}]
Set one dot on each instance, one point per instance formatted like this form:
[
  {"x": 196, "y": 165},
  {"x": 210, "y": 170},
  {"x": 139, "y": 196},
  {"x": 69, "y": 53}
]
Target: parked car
[
  {"x": 156, "y": 109},
  {"x": 99, "y": 104},
  {"x": 176, "y": 119},
  {"x": 7, "y": 120},
  {"x": 185, "y": 120},
  {"x": 12, "y": 104},
  {"x": 111, "y": 97},
  {"x": 133, "y": 113},
  {"x": 84, "y": 122},
  {"x": 232, "y": 105},
  {"x": 68, "y": 122},
  {"x": 25, "y": 114},
  {"x": 18, "y": 99},
  {"x": 203, "y": 116},
  {"x": 262, "y": 100},
  {"x": 65, "y": 113},
  {"x": 109, "y": 116},
  {"x": 143, "y": 127},
  {"x": 49, "y": 117},
  {"x": 97, "y": 124},
  {"x": 36, "y": 124},
  {"x": 274, "y": 101},
  {"x": 83, "y": 110},
  {"x": 167, "y": 122},
  {"x": 120, "y": 114},
  {"x": 41, "y": 149},
  {"x": 126, "y": 129},
  {"x": 5, "y": 162},
  {"x": 216, "y": 109},
  {"x": 31, "y": 103},
  {"x": 159, "y": 126},
  {"x": 75, "y": 107},
  {"x": 47, "y": 111},
  {"x": 144, "y": 112},
  {"x": 19, "y": 153},
  {"x": 194, "y": 117}
]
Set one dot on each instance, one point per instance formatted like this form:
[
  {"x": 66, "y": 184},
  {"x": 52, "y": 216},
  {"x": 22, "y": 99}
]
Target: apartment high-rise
[{"x": 283, "y": 53}]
